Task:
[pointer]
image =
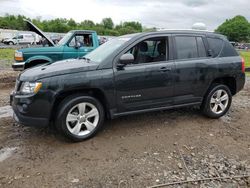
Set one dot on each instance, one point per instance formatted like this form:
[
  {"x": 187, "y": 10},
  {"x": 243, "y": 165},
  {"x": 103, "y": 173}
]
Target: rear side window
[
  {"x": 186, "y": 47},
  {"x": 215, "y": 45}
]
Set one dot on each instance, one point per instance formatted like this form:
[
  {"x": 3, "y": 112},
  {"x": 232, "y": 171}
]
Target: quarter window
[{"x": 228, "y": 50}]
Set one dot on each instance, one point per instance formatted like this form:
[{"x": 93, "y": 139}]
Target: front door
[
  {"x": 78, "y": 46},
  {"x": 86, "y": 44},
  {"x": 148, "y": 82}
]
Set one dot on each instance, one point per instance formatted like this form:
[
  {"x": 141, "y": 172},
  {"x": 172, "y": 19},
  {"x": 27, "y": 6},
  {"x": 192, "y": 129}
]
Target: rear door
[{"x": 192, "y": 68}]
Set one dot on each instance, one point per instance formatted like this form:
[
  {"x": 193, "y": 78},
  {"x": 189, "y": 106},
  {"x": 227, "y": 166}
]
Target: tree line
[
  {"x": 62, "y": 25},
  {"x": 236, "y": 29}
]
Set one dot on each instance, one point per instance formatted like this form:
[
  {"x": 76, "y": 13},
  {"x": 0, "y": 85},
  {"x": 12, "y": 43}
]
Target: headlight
[
  {"x": 30, "y": 87},
  {"x": 18, "y": 56}
]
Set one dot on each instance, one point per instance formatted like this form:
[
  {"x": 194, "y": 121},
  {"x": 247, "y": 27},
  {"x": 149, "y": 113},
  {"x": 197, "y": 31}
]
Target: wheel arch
[
  {"x": 37, "y": 60},
  {"x": 229, "y": 81},
  {"x": 94, "y": 92}
]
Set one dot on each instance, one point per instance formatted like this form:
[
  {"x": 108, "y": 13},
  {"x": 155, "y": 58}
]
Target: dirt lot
[{"x": 133, "y": 151}]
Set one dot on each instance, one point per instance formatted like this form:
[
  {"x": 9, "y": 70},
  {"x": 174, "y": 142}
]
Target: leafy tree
[
  {"x": 87, "y": 24},
  {"x": 236, "y": 29},
  {"x": 135, "y": 25},
  {"x": 107, "y": 23},
  {"x": 72, "y": 23}
]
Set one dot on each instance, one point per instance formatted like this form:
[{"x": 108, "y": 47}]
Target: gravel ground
[{"x": 133, "y": 151}]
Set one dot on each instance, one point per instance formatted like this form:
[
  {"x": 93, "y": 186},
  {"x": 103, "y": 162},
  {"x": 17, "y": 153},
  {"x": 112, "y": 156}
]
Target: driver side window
[
  {"x": 150, "y": 50},
  {"x": 83, "y": 40}
]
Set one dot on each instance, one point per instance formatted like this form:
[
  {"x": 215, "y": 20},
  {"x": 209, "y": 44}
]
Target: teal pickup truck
[{"x": 74, "y": 44}]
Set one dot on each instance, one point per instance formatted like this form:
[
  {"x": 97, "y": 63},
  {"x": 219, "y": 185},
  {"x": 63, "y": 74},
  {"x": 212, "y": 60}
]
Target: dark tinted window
[
  {"x": 201, "y": 47},
  {"x": 228, "y": 50},
  {"x": 186, "y": 47},
  {"x": 215, "y": 45}
]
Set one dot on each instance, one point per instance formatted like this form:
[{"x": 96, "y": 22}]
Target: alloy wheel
[
  {"x": 82, "y": 119},
  {"x": 219, "y": 101}
]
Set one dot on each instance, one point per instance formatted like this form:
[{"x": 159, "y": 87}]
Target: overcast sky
[{"x": 171, "y": 14}]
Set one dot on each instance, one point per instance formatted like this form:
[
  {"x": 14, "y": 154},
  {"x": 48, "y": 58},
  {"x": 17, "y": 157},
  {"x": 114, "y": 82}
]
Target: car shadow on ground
[{"x": 122, "y": 125}]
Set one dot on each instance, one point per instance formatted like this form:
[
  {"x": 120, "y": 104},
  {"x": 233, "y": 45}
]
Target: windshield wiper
[{"x": 87, "y": 59}]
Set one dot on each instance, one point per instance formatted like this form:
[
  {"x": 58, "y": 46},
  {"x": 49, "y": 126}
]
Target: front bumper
[
  {"x": 20, "y": 106},
  {"x": 18, "y": 66}
]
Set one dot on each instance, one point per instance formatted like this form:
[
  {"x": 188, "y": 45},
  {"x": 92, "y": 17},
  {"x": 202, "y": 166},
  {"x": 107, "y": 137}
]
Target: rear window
[{"x": 215, "y": 45}]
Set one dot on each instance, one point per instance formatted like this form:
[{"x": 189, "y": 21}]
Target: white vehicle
[
  {"x": 6, "y": 34},
  {"x": 22, "y": 39}
]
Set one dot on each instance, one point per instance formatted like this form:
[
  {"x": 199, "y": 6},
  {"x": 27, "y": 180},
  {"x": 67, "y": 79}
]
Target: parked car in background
[
  {"x": 74, "y": 44},
  {"x": 131, "y": 74},
  {"x": 6, "y": 34},
  {"x": 21, "y": 39},
  {"x": 243, "y": 46}
]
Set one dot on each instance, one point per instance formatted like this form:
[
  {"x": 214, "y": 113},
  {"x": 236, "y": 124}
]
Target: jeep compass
[{"x": 127, "y": 75}]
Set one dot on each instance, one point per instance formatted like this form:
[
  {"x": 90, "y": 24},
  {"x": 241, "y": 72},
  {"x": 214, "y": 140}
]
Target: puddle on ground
[
  {"x": 5, "y": 153},
  {"x": 6, "y": 111}
]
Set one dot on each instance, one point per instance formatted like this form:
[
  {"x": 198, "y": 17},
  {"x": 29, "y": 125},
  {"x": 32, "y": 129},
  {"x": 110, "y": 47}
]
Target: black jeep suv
[{"x": 127, "y": 75}]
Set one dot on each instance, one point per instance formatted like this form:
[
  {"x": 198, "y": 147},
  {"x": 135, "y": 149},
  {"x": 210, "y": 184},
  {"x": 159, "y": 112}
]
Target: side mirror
[{"x": 126, "y": 59}]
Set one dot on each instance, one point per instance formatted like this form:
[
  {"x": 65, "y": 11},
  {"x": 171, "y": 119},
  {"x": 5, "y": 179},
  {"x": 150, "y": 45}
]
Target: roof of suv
[{"x": 176, "y": 31}]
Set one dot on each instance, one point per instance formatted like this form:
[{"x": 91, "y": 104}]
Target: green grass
[
  {"x": 246, "y": 56},
  {"x": 6, "y": 57}
]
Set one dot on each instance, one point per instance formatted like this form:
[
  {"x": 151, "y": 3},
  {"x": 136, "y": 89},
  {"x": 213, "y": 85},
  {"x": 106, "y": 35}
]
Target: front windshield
[
  {"x": 65, "y": 39},
  {"x": 102, "y": 52}
]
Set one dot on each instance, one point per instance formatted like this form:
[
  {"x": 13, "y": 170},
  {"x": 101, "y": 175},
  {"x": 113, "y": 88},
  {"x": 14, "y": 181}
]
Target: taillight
[{"x": 243, "y": 65}]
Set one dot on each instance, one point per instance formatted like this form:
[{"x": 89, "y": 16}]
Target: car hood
[
  {"x": 58, "y": 68},
  {"x": 39, "y": 50},
  {"x": 35, "y": 29}
]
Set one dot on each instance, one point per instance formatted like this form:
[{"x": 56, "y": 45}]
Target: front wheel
[
  {"x": 80, "y": 117},
  {"x": 217, "y": 101}
]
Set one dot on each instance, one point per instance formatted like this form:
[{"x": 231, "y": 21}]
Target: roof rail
[{"x": 185, "y": 30}]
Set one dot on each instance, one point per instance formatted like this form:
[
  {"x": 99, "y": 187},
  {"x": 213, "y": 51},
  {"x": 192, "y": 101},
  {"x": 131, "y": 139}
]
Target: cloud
[{"x": 157, "y": 13}]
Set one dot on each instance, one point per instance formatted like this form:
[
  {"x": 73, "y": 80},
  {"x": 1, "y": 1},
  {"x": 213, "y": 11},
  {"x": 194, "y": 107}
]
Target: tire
[
  {"x": 217, "y": 101},
  {"x": 76, "y": 125},
  {"x": 11, "y": 43}
]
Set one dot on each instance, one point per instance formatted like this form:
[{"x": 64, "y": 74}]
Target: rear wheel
[
  {"x": 217, "y": 101},
  {"x": 80, "y": 117},
  {"x": 11, "y": 43}
]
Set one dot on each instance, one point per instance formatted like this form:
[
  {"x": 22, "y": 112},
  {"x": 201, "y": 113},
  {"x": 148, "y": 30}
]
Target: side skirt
[{"x": 115, "y": 115}]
